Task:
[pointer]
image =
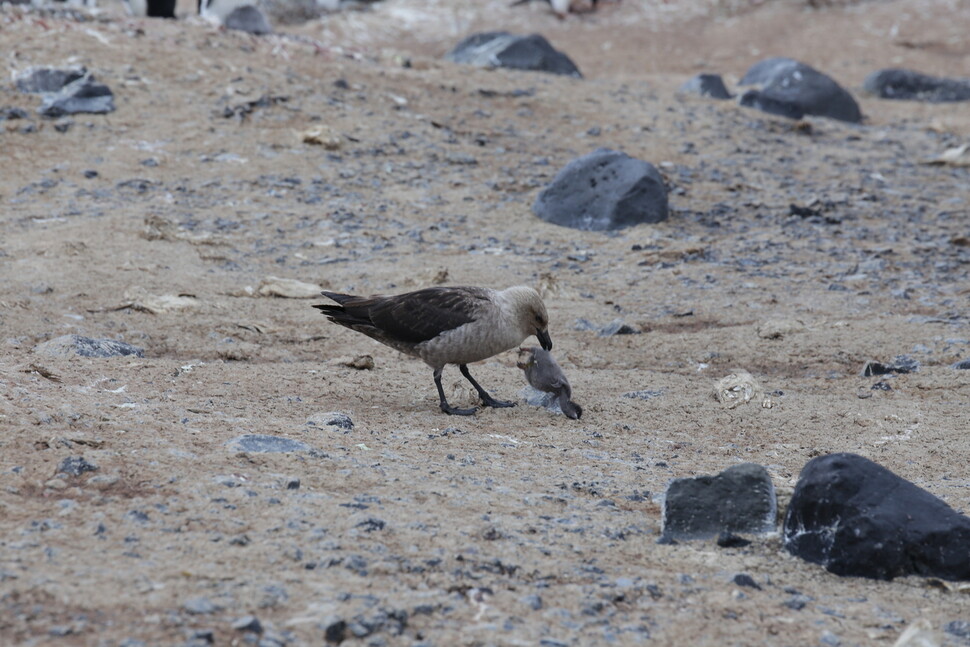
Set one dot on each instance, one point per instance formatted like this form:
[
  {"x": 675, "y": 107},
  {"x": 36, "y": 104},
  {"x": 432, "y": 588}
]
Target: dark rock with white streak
[
  {"x": 788, "y": 87},
  {"x": 855, "y": 517},
  {"x": 602, "y": 191},
  {"x": 502, "y": 49},
  {"x": 82, "y": 95}
]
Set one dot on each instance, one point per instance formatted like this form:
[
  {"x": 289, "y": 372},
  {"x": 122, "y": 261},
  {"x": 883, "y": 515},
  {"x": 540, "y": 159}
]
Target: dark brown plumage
[{"x": 447, "y": 325}]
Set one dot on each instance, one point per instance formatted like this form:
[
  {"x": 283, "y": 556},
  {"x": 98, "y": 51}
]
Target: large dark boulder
[
  {"x": 741, "y": 499},
  {"x": 788, "y": 87},
  {"x": 502, "y": 49},
  {"x": 855, "y": 517},
  {"x": 915, "y": 86},
  {"x": 604, "y": 190}
]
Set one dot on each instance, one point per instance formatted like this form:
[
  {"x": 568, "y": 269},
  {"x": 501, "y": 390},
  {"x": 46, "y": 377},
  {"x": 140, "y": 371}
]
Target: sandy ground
[{"x": 515, "y": 526}]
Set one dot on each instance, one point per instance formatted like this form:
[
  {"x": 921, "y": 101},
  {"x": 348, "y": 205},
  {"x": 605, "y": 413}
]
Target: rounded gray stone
[
  {"x": 262, "y": 443},
  {"x": 602, "y": 191},
  {"x": 72, "y": 345}
]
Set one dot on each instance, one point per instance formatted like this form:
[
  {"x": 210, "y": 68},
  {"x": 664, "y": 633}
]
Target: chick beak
[{"x": 544, "y": 340}]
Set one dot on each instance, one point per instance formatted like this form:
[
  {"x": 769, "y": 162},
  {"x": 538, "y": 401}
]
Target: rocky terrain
[{"x": 347, "y": 154}]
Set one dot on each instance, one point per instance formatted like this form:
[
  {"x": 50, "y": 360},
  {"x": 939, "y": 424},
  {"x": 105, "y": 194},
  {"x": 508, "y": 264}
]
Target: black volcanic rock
[
  {"x": 855, "y": 517},
  {"x": 741, "y": 499},
  {"x": 789, "y": 87},
  {"x": 602, "y": 191}
]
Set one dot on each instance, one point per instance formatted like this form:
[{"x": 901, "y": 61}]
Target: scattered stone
[
  {"x": 502, "y": 49},
  {"x": 741, "y": 499},
  {"x": 645, "y": 394},
  {"x": 604, "y": 190},
  {"x": 899, "y": 364},
  {"x": 962, "y": 365},
  {"x": 360, "y": 362},
  {"x": 334, "y": 630},
  {"x": 797, "y": 602},
  {"x": 371, "y": 524},
  {"x": 64, "y": 125},
  {"x": 743, "y": 579},
  {"x": 532, "y": 601},
  {"x": 274, "y": 286},
  {"x": 45, "y": 80},
  {"x": 83, "y": 95},
  {"x": 262, "y": 443},
  {"x": 71, "y": 345},
  {"x": 139, "y": 299},
  {"x": 75, "y": 466},
  {"x": 202, "y": 637},
  {"x": 103, "y": 481},
  {"x": 321, "y": 135},
  {"x": 13, "y": 113},
  {"x": 56, "y": 484},
  {"x": 793, "y": 89},
  {"x": 249, "y": 19},
  {"x": 200, "y": 606},
  {"x": 248, "y": 623},
  {"x": 779, "y": 328},
  {"x": 916, "y": 86},
  {"x": 706, "y": 85},
  {"x": 841, "y": 517},
  {"x": 618, "y": 327},
  {"x": 335, "y": 420},
  {"x": 137, "y": 516},
  {"x": 730, "y": 540},
  {"x": 959, "y": 628}
]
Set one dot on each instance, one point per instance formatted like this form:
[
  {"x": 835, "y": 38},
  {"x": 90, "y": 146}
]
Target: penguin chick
[{"x": 544, "y": 374}]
